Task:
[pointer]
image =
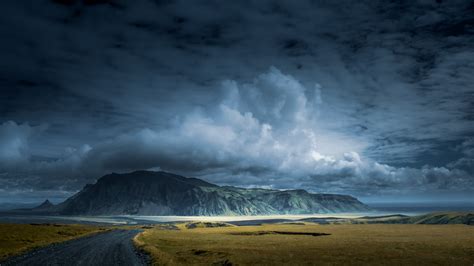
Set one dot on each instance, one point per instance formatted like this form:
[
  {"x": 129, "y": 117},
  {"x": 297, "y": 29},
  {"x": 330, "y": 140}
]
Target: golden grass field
[
  {"x": 359, "y": 244},
  {"x": 18, "y": 238}
]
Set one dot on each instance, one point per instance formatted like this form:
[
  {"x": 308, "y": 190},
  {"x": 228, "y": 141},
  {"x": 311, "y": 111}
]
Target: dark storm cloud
[{"x": 362, "y": 98}]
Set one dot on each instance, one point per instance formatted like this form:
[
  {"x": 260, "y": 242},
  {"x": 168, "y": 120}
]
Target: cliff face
[{"x": 160, "y": 193}]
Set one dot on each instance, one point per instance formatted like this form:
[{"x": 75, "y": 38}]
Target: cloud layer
[
  {"x": 244, "y": 140},
  {"x": 367, "y": 98}
]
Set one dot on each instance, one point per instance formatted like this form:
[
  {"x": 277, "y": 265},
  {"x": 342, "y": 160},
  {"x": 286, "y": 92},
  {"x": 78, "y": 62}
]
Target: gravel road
[{"x": 109, "y": 248}]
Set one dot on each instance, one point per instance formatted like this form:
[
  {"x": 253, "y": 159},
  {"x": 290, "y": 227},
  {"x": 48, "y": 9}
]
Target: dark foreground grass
[
  {"x": 351, "y": 244},
  {"x": 18, "y": 238}
]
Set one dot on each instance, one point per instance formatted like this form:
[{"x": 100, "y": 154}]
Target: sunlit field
[{"x": 298, "y": 244}]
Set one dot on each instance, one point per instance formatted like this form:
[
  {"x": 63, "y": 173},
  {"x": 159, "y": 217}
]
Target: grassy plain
[
  {"x": 18, "y": 238},
  {"x": 346, "y": 244}
]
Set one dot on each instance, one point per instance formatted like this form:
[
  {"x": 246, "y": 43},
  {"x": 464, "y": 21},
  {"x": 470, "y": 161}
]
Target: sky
[{"x": 369, "y": 98}]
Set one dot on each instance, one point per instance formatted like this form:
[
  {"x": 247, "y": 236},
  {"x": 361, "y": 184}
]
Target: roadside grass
[
  {"x": 347, "y": 244},
  {"x": 18, "y": 238}
]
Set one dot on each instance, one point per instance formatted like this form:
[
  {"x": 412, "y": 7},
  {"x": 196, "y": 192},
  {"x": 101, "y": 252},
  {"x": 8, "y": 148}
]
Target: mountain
[
  {"x": 161, "y": 193},
  {"x": 45, "y": 206}
]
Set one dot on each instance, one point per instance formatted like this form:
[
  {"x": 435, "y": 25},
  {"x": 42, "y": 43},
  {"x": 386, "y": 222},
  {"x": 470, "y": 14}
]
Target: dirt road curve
[{"x": 109, "y": 248}]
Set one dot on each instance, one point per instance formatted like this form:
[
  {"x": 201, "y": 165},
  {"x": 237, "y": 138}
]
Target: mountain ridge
[{"x": 161, "y": 193}]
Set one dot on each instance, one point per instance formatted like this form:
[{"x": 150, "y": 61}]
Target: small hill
[
  {"x": 430, "y": 218},
  {"x": 45, "y": 206},
  {"x": 441, "y": 218},
  {"x": 193, "y": 225}
]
